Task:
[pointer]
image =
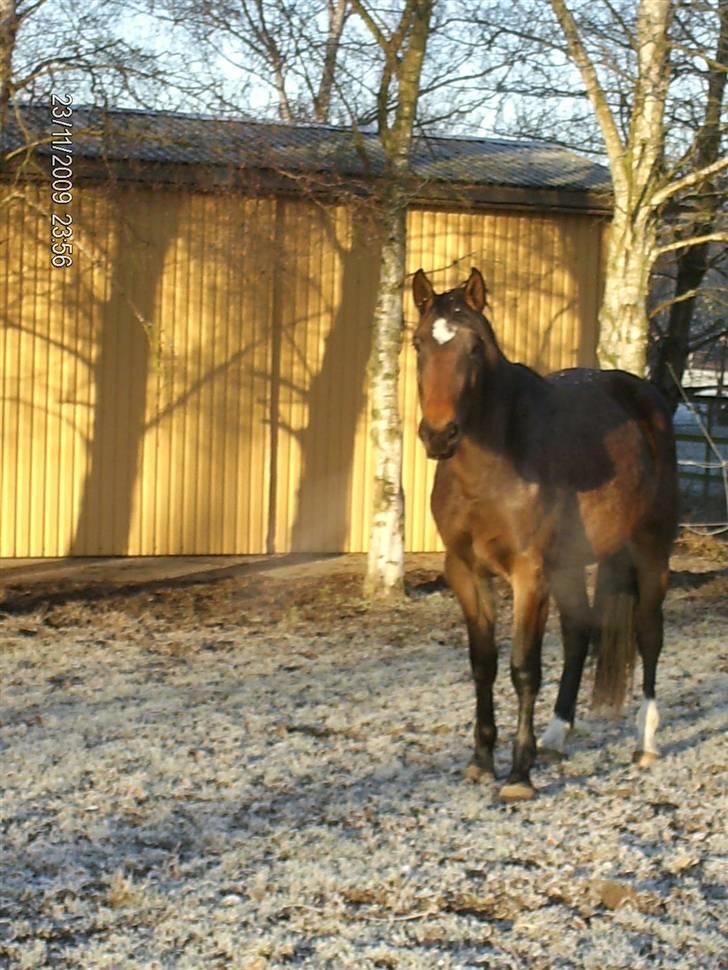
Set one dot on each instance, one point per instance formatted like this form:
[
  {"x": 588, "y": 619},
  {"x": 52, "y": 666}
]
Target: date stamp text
[{"x": 61, "y": 180}]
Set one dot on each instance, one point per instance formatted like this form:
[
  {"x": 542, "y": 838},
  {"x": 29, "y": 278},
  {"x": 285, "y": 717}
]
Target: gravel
[{"x": 193, "y": 782}]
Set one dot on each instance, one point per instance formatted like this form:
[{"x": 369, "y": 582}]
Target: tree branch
[
  {"x": 597, "y": 95},
  {"x": 668, "y": 191},
  {"x": 695, "y": 241},
  {"x": 666, "y": 304}
]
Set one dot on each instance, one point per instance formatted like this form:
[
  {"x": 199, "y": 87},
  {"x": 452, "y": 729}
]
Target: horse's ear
[
  {"x": 476, "y": 292},
  {"x": 422, "y": 290}
]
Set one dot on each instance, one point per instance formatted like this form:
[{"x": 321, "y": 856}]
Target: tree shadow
[
  {"x": 240, "y": 452},
  {"x": 323, "y": 511},
  {"x": 123, "y": 340}
]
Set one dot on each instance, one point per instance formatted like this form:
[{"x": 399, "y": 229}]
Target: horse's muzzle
[{"x": 439, "y": 444}]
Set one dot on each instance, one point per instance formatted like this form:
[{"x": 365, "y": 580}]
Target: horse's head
[{"x": 455, "y": 349}]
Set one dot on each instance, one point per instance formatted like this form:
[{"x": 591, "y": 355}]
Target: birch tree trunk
[
  {"x": 635, "y": 159},
  {"x": 337, "y": 10},
  {"x": 8, "y": 30},
  {"x": 385, "y": 572},
  {"x": 642, "y": 188},
  {"x": 399, "y": 87},
  {"x": 623, "y": 321}
]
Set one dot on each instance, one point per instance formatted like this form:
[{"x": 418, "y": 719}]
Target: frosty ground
[{"x": 262, "y": 771}]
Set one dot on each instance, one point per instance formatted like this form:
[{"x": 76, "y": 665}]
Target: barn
[{"x": 196, "y": 381}]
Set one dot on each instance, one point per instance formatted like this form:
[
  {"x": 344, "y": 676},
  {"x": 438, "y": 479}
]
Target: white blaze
[
  {"x": 554, "y": 737},
  {"x": 648, "y": 719},
  {"x": 443, "y": 330}
]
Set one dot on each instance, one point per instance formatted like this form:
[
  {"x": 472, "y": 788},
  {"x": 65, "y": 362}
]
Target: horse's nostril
[{"x": 452, "y": 431}]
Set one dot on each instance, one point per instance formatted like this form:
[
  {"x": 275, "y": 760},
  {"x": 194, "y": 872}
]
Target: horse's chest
[
  {"x": 493, "y": 544},
  {"x": 488, "y": 525}
]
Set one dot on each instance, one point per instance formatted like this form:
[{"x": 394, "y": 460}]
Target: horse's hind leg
[
  {"x": 569, "y": 590},
  {"x": 652, "y": 578},
  {"x": 476, "y": 600}
]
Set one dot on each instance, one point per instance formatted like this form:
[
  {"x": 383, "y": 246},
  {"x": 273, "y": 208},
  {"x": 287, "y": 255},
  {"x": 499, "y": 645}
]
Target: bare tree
[
  {"x": 698, "y": 216},
  {"x": 80, "y": 44},
  {"x": 403, "y": 45},
  {"x": 10, "y": 18},
  {"x": 289, "y": 52},
  {"x": 73, "y": 48},
  {"x": 634, "y": 161},
  {"x": 366, "y": 68},
  {"x": 628, "y": 82}
]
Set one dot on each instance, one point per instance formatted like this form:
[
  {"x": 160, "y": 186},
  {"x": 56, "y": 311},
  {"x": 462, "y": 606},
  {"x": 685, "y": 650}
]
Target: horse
[{"x": 536, "y": 479}]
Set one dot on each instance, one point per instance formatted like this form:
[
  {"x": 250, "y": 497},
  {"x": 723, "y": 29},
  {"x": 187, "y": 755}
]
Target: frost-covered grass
[{"x": 195, "y": 792}]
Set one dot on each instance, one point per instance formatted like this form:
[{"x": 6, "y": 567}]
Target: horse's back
[
  {"x": 635, "y": 395},
  {"x": 599, "y": 404},
  {"x": 617, "y": 453}
]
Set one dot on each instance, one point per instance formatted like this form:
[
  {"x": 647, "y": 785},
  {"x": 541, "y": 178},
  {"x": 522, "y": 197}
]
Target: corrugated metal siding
[
  {"x": 136, "y": 385},
  {"x": 196, "y": 382},
  {"x": 203, "y": 475}
]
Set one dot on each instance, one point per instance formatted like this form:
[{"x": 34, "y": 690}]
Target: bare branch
[
  {"x": 695, "y": 241},
  {"x": 666, "y": 304},
  {"x": 662, "y": 195},
  {"x": 597, "y": 95}
]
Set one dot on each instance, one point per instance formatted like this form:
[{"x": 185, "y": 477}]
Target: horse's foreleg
[
  {"x": 530, "y": 609},
  {"x": 476, "y": 600},
  {"x": 569, "y": 590}
]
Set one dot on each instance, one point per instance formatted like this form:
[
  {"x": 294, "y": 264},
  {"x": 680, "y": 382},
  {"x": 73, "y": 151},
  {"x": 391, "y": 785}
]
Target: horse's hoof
[
  {"x": 552, "y": 741},
  {"x": 517, "y": 791},
  {"x": 475, "y": 773},
  {"x": 644, "y": 759}
]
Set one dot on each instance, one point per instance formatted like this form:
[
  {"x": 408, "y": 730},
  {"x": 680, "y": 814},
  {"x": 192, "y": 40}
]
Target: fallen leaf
[{"x": 612, "y": 893}]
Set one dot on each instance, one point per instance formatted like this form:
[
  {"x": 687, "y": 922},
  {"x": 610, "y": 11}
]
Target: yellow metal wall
[{"x": 196, "y": 382}]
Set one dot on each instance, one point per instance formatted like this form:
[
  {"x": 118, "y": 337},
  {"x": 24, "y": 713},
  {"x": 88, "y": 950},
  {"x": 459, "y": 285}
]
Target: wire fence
[{"x": 701, "y": 431}]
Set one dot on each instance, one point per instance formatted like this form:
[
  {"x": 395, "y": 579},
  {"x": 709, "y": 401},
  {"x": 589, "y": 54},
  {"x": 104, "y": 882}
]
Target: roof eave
[{"x": 333, "y": 187}]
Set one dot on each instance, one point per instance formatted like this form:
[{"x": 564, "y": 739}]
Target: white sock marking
[
  {"x": 554, "y": 737},
  {"x": 443, "y": 330},
  {"x": 648, "y": 718}
]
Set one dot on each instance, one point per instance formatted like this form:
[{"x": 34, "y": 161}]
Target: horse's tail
[{"x": 615, "y": 602}]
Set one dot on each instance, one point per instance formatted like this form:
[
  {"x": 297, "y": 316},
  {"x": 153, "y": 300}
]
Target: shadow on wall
[
  {"x": 338, "y": 390},
  {"x": 328, "y": 387},
  {"x": 123, "y": 344},
  {"x": 323, "y": 303},
  {"x": 273, "y": 335}
]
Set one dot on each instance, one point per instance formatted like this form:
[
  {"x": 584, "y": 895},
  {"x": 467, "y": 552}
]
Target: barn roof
[{"x": 193, "y": 140}]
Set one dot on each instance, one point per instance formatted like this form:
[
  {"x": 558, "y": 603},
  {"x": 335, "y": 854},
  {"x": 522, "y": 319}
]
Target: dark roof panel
[{"x": 194, "y": 140}]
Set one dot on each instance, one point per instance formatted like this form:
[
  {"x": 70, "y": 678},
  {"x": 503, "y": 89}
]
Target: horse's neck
[
  {"x": 510, "y": 398},
  {"x": 501, "y": 438}
]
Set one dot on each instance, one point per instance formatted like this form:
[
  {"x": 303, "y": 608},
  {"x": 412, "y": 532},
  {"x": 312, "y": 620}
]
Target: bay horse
[{"x": 538, "y": 477}]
